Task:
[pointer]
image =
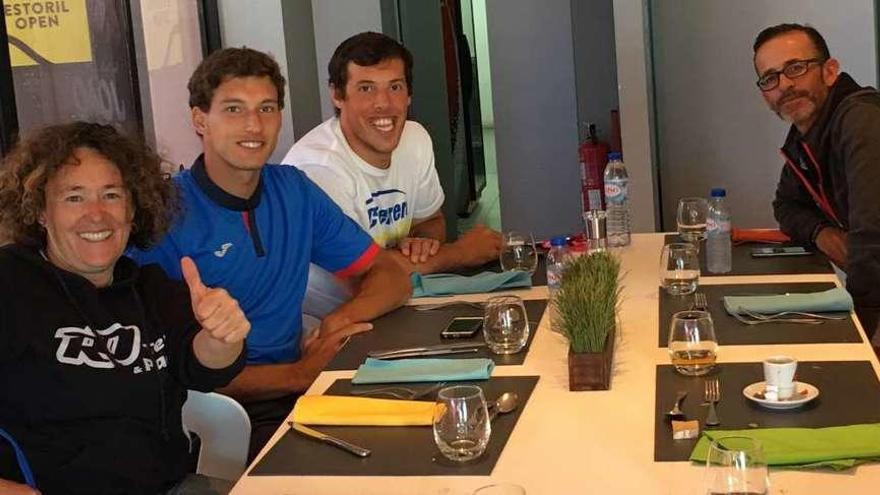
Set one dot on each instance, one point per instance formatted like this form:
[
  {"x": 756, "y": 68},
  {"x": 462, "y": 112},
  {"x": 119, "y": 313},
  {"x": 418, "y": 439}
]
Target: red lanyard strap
[{"x": 819, "y": 197}]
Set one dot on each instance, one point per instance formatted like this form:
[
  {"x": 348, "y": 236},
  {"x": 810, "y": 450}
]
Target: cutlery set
[{"x": 711, "y": 395}]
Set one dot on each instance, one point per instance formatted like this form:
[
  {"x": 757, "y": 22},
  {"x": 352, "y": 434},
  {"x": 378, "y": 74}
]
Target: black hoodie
[
  {"x": 92, "y": 421},
  {"x": 839, "y": 160}
]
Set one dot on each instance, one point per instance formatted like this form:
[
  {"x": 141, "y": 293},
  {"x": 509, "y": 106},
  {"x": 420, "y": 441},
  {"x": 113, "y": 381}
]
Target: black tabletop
[
  {"x": 742, "y": 262},
  {"x": 729, "y": 331},
  {"x": 407, "y": 327},
  {"x": 849, "y": 394},
  {"x": 397, "y": 450}
]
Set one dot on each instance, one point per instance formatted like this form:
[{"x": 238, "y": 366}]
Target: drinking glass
[
  {"x": 461, "y": 422},
  {"x": 691, "y": 218},
  {"x": 692, "y": 343},
  {"x": 679, "y": 269},
  {"x": 501, "y": 489},
  {"x": 519, "y": 252},
  {"x": 736, "y": 465},
  {"x": 505, "y": 324}
]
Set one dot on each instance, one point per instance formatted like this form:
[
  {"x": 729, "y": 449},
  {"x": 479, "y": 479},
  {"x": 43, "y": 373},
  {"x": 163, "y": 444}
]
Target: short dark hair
[
  {"x": 778, "y": 30},
  {"x": 37, "y": 158},
  {"x": 366, "y": 49},
  {"x": 228, "y": 63}
]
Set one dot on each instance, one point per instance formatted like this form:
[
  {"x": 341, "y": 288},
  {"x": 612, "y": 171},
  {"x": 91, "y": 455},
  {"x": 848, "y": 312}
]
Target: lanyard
[
  {"x": 22, "y": 460},
  {"x": 819, "y": 197}
]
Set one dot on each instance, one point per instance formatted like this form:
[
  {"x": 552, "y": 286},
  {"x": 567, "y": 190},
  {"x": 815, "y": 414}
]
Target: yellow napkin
[{"x": 362, "y": 411}]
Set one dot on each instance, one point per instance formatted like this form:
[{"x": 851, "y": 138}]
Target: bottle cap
[
  {"x": 615, "y": 155},
  {"x": 558, "y": 241},
  {"x": 718, "y": 192}
]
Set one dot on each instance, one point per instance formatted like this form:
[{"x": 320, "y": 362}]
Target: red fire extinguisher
[{"x": 593, "y": 156}]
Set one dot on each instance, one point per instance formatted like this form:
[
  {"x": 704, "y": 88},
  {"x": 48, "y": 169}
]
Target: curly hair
[
  {"x": 36, "y": 159},
  {"x": 227, "y": 63}
]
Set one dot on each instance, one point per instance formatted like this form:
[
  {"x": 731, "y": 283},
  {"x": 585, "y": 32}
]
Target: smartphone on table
[
  {"x": 770, "y": 252},
  {"x": 462, "y": 327}
]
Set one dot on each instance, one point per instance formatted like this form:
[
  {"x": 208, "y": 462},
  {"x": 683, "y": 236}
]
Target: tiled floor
[{"x": 488, "y": 209}]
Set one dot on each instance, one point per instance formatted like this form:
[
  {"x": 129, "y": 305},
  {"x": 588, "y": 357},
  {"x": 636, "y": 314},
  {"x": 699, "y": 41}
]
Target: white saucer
[{"x": 805, "y": 393}]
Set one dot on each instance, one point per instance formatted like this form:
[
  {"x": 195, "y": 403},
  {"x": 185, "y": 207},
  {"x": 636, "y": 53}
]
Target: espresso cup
[{"x": 779, "y": 377}]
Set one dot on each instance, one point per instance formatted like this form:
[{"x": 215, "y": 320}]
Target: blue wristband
[{"x": 22, "y": 460}]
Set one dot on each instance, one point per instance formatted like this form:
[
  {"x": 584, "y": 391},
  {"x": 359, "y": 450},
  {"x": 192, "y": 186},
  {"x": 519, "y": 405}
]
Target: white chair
[{"x": 224, "y": 429}]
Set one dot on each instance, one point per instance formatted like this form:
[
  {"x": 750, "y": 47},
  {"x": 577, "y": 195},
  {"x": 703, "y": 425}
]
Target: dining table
[{"x": 604, "y": 441}]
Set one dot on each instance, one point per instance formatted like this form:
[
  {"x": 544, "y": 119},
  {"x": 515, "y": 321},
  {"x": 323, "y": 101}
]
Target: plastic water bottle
[
  {"x": 617, "y": 201},
  {"x": 556, "y": 259},
  {"x": 718, "y": 257}
]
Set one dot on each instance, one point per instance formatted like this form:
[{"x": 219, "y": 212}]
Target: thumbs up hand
[{"x": 216, "y": 311}]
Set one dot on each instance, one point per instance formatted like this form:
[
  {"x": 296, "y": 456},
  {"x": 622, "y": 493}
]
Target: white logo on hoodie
[{"x": 78, "y": 347}]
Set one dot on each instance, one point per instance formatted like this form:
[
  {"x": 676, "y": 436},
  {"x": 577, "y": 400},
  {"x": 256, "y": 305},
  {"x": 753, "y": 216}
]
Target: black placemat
[
  {"x": 398, "y": 450},
  {"x": 742, "y": 262},
  {"x": 406, "y": 327},
  {"x": 729, "y": 331},
  {"x": 849, "y": 393},
  {"x": 539, "y": 278}
]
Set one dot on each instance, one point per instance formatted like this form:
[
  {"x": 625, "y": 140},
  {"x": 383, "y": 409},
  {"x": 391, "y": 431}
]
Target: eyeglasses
[{"x": 792, "y": 70}]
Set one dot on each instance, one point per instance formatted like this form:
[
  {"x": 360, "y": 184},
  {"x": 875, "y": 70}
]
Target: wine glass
[
  {"x": 461, "y": 422},
  {"x": 679, "y": 269},
  {"x": 692, "y": 213},
  {"x": 692, "y": 343},
  {"x": 735, "y": 465},
  {"x": 505, "y": 324},
  {"x": 519, "y": 252}
]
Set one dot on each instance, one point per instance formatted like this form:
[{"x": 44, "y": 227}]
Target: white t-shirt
[{"x": 384, "y": 202}]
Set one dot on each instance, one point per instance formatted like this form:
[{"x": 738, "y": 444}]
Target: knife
[
  {"x": 336, "y": 442},
  {"x": 431, "y": 350}
]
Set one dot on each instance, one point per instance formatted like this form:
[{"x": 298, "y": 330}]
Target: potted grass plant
[{"x": 586, "y": 312}]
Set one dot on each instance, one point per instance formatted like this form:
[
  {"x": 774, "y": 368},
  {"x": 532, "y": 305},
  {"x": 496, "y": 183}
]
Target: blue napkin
[
  {"x": 448, "y": 284},
  {"x": 423, "y": 370},
  {"x": 836, "y": 299}
]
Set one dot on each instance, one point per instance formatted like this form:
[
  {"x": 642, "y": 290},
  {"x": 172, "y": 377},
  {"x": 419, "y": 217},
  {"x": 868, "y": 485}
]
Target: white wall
[
  {"x": 336, "y": 20},
  {"x": 257, "y": 24}
]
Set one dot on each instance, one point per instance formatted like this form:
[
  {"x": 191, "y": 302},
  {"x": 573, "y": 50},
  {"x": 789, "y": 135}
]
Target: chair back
[{"x": 225, "y": 432}]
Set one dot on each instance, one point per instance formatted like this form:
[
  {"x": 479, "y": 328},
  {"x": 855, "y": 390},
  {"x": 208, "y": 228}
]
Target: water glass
[
  {"x": 500, "y": 489},
  {"x": 505, "y": 324},
  {"x": 736, "y": 465},
  {"x": 679, "y": 269},
  {"x": 692, "y": 213},
  {"x": 692, "y": 343},
  {"x": 461, "y": 422},
  {"x": 519, "y": 252}
]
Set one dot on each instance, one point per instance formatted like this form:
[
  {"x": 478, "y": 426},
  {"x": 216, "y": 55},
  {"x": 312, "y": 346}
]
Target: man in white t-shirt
[{"x": 379, "y": 167}]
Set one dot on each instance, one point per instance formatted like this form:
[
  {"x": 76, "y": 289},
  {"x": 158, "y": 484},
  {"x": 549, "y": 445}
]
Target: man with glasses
[{"x": 829, "y": 190}]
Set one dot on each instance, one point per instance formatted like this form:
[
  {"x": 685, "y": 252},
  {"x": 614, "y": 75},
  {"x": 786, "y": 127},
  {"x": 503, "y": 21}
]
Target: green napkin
[
  {"x": 836, "y": 299},
  {"x": 423, "y": 370},
  {"x": 448, "y": 284},
  {"x": 837, "y": 447}
]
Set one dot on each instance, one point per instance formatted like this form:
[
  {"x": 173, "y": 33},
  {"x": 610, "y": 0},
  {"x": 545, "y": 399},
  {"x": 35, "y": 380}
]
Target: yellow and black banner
[{"x": 47, "y": 31}]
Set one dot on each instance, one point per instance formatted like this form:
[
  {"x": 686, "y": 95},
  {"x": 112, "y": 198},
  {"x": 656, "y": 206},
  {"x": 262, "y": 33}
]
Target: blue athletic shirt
[{"x": 259, "y": 249}]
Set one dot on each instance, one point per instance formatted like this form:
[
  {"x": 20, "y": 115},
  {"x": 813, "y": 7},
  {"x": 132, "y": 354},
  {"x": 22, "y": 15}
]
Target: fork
[
  {"x": 771, "y": 316},
  {"x": 806, "y": 321},
  {"x": 712, "y": 395},
  {"x": 700, "y": 301},
  {"x": 430, "y": 307},
  {"x": 404, "y": 393}
]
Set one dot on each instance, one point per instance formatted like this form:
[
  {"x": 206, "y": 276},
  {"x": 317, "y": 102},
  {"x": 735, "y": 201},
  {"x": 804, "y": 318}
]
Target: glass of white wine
[
  {"x": 679, "y": 269},
  {"x": 692, "y": 213},
  {"x": 692, "y": 343},
  {"x": 519, "y": 252}
]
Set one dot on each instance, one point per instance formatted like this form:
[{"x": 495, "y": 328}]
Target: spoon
[
  {"x": 505, "y": 403},
  {"x": 676, "y": 412}
]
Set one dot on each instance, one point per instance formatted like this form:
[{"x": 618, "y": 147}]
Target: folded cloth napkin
[
  {"x": 837, "y": 447},
  {"x": 836, "y": 299},
  {"x": 447, "y": 284},
  {"x": 423, "y": 370},
  {"x": 361, "y": 411},
  {"x": 767, "y": 236}
]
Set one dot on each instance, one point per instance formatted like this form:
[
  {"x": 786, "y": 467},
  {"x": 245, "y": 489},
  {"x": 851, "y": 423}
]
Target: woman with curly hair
[{"x": 96, "y": 354}]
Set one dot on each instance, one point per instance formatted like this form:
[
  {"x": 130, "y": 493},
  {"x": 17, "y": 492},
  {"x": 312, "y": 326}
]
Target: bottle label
[
  {"x": 712, "y": 225},
  {"x": 615, "y": 192}
]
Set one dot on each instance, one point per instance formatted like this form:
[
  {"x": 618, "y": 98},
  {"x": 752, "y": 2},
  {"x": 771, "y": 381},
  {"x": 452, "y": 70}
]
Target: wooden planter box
[{"x": 591, "y": 370}]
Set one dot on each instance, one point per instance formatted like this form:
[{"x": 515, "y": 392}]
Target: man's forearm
[
  {"x": 432, "y": 228},
  {"x": 270, "y": 381},
  {"x": 384, "y": 287},
  {"x": 448, "y": 258}
]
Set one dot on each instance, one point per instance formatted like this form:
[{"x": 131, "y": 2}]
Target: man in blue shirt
[{"x": 253, "y": 229}]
